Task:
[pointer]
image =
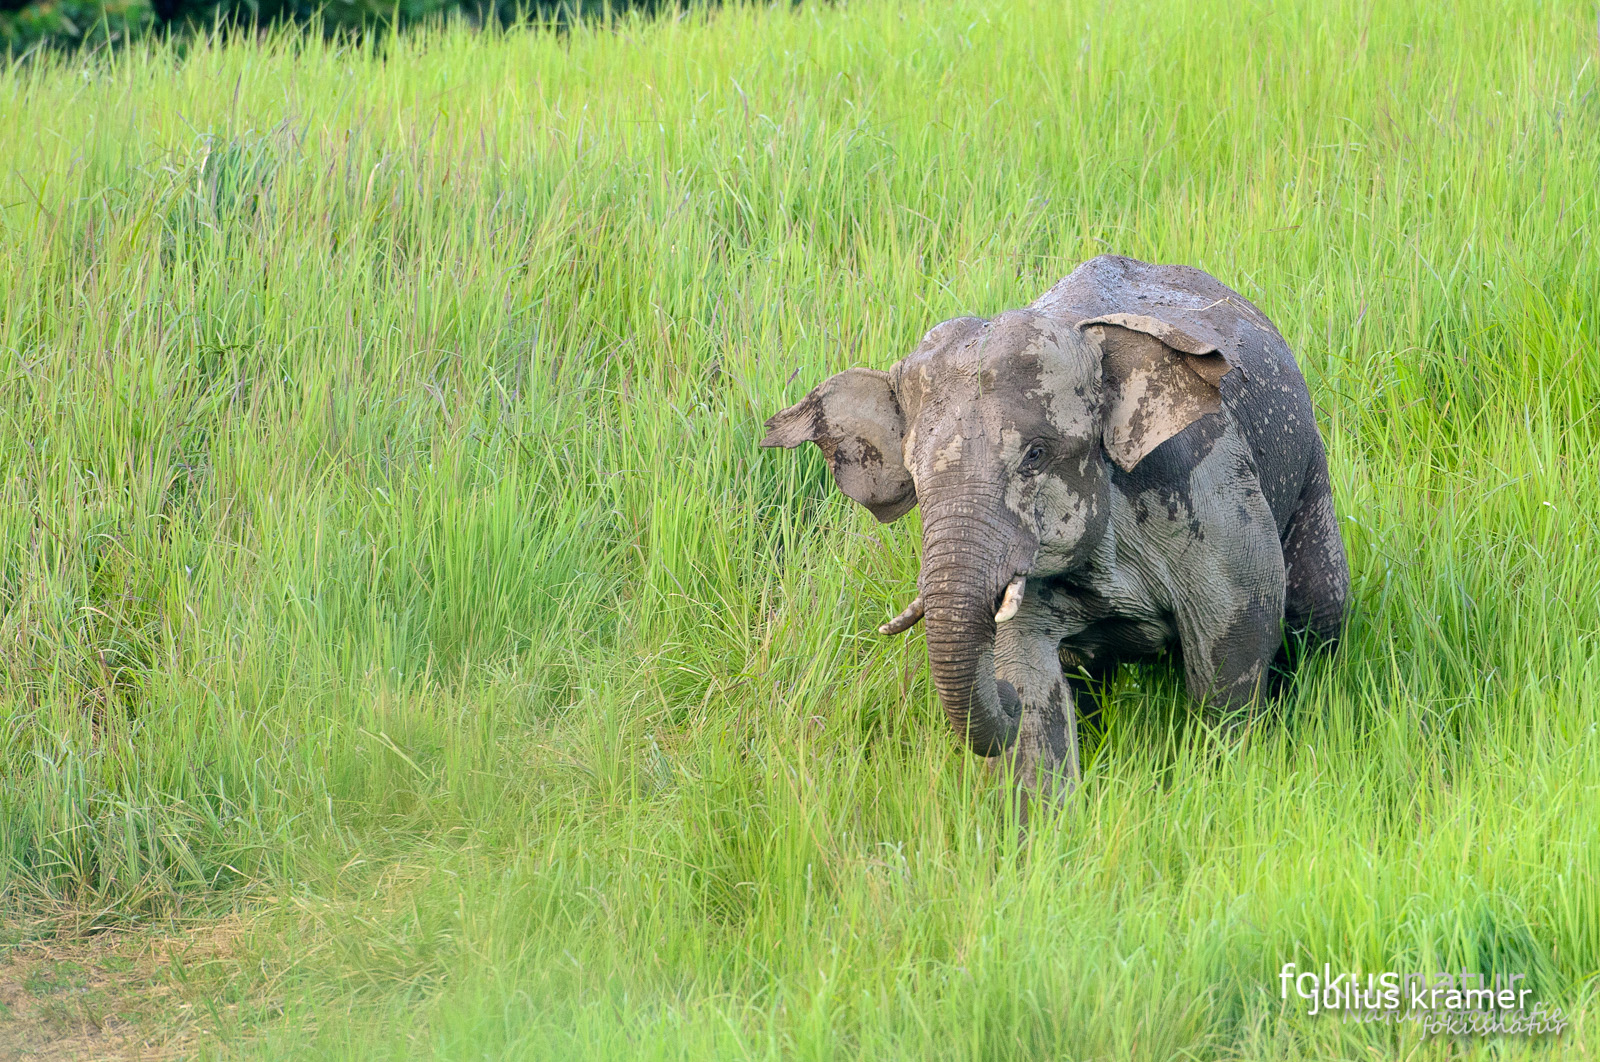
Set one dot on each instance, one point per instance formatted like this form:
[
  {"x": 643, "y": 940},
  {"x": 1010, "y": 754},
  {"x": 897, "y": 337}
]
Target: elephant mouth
[
  {"x": 1006, "y": 604},
  {"x": 1010, "y": 599}
]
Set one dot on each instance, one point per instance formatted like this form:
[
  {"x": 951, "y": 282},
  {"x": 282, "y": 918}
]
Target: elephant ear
[
  {"x": 1159, "y": 379},
  {"x": 856, "y": 423}
]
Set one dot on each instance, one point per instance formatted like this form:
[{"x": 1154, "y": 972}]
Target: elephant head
[{"x": 1002, "y": 430}]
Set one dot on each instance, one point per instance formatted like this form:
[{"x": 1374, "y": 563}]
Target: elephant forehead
[
  {"x": 1063, "y": 380},
  {"x": 1040, "y": 369},
  {"x": 1020, "y": 370}
]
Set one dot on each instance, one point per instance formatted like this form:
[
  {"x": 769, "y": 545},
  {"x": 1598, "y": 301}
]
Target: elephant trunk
[{"x": 969, "y": 557}]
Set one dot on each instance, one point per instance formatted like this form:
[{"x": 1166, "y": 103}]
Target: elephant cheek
[
  {"x": 1072, "y": 520},
  {"x": 1022, "y": 502}
]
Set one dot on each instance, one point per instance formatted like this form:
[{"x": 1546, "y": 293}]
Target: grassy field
[{"x": 405, "y": 651}]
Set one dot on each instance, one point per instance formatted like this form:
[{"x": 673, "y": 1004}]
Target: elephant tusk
[
  {"x": 1012, "y": 601},
  {"x": 906, "y": 620}
]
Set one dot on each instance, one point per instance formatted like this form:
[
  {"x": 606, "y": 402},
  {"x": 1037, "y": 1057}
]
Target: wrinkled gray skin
[{"x": 1139, "y": 444}]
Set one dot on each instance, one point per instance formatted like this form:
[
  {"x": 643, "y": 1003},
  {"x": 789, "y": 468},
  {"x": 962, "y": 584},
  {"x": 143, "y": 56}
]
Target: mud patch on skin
[
  {"x": 1067, "y": 380},
  {"x": 948, "y": 456},
  {"x": 1071, "y": 513}
]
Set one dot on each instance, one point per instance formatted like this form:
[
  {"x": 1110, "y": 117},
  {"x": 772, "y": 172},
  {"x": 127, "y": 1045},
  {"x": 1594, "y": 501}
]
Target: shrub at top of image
[{"x": 27, "y": 24}]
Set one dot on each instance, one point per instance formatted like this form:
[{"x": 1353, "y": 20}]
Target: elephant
[{"x": 1126, "y": 467}]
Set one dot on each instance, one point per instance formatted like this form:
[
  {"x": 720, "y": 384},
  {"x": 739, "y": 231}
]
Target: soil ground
[{"x": 154, "y": 994}]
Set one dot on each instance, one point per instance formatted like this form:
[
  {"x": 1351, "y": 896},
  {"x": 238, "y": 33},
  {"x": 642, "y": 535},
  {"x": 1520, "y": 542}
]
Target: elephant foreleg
[{"x": 1228, "y": 647}]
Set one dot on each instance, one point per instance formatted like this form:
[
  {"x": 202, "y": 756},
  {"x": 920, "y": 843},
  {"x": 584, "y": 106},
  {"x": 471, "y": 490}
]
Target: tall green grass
[{"x": 384, "y": 542}]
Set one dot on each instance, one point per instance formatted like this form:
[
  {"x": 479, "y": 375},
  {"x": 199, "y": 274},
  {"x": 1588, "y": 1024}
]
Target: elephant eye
[{"x": 1032, "y": 460}]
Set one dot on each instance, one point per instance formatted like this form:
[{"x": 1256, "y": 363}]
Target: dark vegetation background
[{"x": 27, "y": 24}]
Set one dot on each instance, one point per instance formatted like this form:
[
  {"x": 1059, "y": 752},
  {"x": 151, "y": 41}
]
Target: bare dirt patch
[{"x": 154, "y": 994}]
